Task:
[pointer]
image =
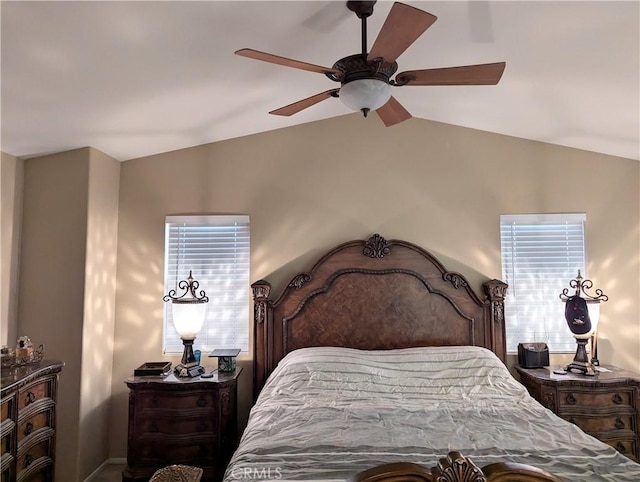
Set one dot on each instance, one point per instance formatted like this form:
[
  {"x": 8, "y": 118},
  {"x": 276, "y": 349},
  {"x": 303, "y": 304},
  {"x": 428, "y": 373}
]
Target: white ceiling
[{"x": 139, "y": 78}]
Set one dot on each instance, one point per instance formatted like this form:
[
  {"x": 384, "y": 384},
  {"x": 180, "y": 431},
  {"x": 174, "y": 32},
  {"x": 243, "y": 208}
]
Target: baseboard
[{"x": 112, "y": 461}]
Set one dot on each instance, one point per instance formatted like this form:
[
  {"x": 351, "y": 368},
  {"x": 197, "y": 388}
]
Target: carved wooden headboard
[{"x": 375, "y": 294}]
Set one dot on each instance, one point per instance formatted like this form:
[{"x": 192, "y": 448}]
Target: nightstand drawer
[
  {"x": 590, "y": 397},
  {"x": 197, "y": 451},
  {"x": 178, "y": 425},
  {"x": 594, "y": 424},
  {"x": 176, "y": 401},
  {"x": 627, "y": 447}
]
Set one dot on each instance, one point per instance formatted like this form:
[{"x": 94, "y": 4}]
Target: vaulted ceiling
[{"x": 138, "y": 78}]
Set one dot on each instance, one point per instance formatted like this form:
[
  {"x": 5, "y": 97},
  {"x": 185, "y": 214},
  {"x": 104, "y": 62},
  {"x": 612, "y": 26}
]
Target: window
[
  {"x": 541, "y": 254},
  {"x": 216, "y": 250}
]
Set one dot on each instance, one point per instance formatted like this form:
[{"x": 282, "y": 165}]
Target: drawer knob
[
  {"x": 31, "y": 397},
  {"x": 571, "y": 400},
  {"x": 28, "y": 428},
  {"x": 202, "y": 402},
  {"x": 28, "y": 460},
  {"x": 617, "y": 399},
  {"x": 572, "y": 420},
  {"x": 619, "y": 423},
  {"x": 621, "y": 448}
]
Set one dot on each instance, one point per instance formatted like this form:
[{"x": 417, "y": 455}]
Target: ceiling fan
[{"x": 365, "y": 78}]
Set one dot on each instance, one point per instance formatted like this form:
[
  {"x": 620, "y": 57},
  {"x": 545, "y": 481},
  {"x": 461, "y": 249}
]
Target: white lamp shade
[
  {"x": 188, "y": 318},
  {"x": 368, "y": 94}
]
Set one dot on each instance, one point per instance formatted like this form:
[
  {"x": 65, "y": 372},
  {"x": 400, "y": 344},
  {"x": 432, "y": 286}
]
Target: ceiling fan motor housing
[{"x": 356, "y": 67}]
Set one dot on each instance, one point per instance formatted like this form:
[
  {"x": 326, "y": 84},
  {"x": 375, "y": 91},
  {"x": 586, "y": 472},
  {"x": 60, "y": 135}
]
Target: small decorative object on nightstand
[
  {"x": 226, "y": 359},
  {"x": 174, "y": 420},
  {"x": 580, "y": 323},
  {"x": 606, "y": 405}
]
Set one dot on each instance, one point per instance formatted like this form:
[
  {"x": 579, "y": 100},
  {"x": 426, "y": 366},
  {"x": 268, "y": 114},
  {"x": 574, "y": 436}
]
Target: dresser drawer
[
  {"x": 6, "y": 467},
  {"x": 176, "y": 401},
  {"x": 581, "y": 397},
  {"x": 38, "y": 421},
  {"x": 36, "y": 391},
  {"x": 36, "y": 455},
  {"x": 7, "y": 442},
  {"x": 6, "y": 410},
  {"x": 595, "y": 424}
]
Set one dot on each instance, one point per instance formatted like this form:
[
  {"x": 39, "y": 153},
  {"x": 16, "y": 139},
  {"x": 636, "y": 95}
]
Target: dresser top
[
  {"x": 605, "y": 374},
  {"x": 17, "y": 376}
]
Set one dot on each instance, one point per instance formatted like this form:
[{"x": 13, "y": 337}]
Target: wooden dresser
[
  {"x": 28, "y": 428},
  {"x": 606, "y": 405},
  {"x": 191, "y": 421}
]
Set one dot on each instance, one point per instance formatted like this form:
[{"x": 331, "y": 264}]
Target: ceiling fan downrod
[{"x": 362, "y": 9}]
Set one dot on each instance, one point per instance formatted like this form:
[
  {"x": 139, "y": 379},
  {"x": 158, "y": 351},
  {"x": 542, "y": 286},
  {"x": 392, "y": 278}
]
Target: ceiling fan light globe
[{"x": 361, "y": 94}]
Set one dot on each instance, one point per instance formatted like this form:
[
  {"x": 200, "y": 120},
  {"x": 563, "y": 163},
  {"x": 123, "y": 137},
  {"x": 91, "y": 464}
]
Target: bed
[{"x": 381, "y": 363}]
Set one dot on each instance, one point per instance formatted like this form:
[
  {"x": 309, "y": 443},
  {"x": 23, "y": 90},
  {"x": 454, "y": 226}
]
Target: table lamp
[
  {"x": 582, "y": 325},
  {"x": 188, "y": 312}
]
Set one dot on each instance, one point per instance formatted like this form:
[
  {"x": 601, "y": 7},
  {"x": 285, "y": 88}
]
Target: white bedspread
[{"x": 327, "y": 413}]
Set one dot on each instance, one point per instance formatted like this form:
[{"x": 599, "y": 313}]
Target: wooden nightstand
[
  {"x": 606, "y": 405},
  {"x": 191, "y": 421}
]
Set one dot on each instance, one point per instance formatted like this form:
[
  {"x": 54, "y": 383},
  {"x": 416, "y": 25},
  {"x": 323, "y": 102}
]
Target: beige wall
[
  {"x": 67, "y": 292},
  {"x": 310, "y": 187},
  {"x": 99, "y": 311},
  {"x": 306, "y": 189},
  {"x": 11, "y": 175}
]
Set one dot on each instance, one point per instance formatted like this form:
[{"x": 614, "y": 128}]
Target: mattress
[{"x": 327, "y": 413}]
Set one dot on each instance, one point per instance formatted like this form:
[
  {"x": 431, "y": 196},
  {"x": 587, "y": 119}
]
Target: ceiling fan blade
[
  {"x": 393, "y": 113},
  {"x": 276, "y": 59},
  {"x": 483, "y": 74},
  {"x": 304, "y": 103},
  {"x": 403, "y": 26}
]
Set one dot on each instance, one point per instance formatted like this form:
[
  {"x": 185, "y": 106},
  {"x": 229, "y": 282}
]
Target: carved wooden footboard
[{"x": 454, "y": 468}]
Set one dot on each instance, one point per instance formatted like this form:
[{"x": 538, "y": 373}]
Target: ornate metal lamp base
[
  {"x": 581, "y": 361},
  {"x": 188, "y": 367}
]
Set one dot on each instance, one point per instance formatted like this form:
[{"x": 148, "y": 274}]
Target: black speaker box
[{"x": 533, "y": 355}]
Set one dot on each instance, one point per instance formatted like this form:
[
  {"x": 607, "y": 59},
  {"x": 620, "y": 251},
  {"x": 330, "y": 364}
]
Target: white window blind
[
  {"x": 541, "y": 254},
  {"x": 216, "y": 250}
]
